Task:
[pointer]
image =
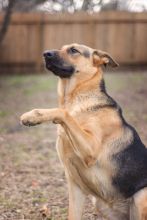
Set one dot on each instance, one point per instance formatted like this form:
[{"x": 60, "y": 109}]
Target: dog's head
[{"x": 76, "y": 59}]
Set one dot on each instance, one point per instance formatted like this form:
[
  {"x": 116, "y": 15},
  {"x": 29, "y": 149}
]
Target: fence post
[{"x": 40, "y": 44}]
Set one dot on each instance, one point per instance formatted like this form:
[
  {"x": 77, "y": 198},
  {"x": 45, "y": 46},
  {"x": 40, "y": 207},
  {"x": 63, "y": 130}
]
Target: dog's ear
[{"x": 103, "y": 58}]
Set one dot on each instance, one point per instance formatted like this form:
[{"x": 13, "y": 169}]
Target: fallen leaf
[{"x": 45, "y": 211}]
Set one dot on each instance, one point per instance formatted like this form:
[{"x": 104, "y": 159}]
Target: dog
[{"x": 101, "y": 153}]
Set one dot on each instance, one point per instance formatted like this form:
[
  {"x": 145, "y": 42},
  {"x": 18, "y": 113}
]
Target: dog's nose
[{"x": 48, "y": 54}]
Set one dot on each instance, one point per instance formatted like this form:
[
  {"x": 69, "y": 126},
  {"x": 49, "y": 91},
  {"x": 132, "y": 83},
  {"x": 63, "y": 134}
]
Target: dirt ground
[{"x": 31, "y": 176}]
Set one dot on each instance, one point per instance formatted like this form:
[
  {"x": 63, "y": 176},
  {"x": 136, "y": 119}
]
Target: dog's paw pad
[{"x": 29, "y": 122}]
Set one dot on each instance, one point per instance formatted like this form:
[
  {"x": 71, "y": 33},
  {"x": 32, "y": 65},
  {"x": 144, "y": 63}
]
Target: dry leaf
[{"x": 45, "y": 211}]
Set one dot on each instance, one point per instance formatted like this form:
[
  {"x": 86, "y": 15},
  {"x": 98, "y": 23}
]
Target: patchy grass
[
  {"x": 24, "y": 83},
  {"x": 30, "y": 172},
  {"x": 3, "y": 114}
]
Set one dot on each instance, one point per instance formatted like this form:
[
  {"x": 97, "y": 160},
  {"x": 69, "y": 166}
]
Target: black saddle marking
[{"x": 132, "y": 163}]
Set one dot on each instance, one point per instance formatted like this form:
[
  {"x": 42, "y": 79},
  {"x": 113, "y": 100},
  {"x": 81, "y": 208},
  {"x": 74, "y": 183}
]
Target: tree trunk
[{"x": 6, "y": 20}]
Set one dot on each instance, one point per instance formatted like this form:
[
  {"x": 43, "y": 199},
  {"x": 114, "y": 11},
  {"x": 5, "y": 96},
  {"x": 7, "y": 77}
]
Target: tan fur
[
  {"x": 139, "y": 206},
  {"x": 86, "y": 139}
]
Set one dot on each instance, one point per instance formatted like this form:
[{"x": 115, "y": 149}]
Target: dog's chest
[{"x": 82, "y": 102}]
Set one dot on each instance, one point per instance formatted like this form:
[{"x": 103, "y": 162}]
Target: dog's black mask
[{"x": 57, "y": 65}]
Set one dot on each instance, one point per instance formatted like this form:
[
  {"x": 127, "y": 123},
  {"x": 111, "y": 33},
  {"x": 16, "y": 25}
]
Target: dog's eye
[{"x": 73, "y": 50}]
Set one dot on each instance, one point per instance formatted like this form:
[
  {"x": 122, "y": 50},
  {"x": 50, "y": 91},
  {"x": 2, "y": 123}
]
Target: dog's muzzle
[{"x": 57, "y": 65}]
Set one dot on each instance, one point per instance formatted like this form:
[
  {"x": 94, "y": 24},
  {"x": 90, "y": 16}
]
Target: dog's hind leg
[
  {"x": 118, "y": 210},
  {"x": 138, "y": 209}
]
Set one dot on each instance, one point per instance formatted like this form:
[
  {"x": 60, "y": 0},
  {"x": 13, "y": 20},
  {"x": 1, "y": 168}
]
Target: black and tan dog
[{"x": 101, "y": 153}]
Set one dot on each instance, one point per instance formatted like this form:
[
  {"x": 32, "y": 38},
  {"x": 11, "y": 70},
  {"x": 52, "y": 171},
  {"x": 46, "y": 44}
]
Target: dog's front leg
[
  {"x": 83, "y": 142},
  {"x": 38, "y": 116},
  {"x": 76, "y": 201}
]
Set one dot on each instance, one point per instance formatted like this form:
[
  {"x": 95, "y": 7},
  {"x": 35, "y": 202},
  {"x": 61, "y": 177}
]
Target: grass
[
  {"x": 3, "y": 114},
  {"x": 123, "y": 81},
  {"x": 24, "y": 83}
]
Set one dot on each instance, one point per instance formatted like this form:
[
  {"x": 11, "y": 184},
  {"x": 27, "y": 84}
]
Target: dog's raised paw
[
  {"x": 29, "y": 119},
  {"x": 29, "y": 123}
]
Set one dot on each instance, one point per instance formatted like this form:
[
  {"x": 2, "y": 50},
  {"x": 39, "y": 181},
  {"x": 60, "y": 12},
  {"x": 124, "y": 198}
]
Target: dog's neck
[{"x": 68, "y": 89}]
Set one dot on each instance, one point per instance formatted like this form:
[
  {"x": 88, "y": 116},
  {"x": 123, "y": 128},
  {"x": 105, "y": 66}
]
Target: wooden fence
[{"x": 122, "y": 34}]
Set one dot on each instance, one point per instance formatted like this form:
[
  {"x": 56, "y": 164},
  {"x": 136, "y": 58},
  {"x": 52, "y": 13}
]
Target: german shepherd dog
[{"x": 101, "y": 153}]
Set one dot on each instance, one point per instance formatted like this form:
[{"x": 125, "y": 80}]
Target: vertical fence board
[{"x": 121, "y": 34}]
